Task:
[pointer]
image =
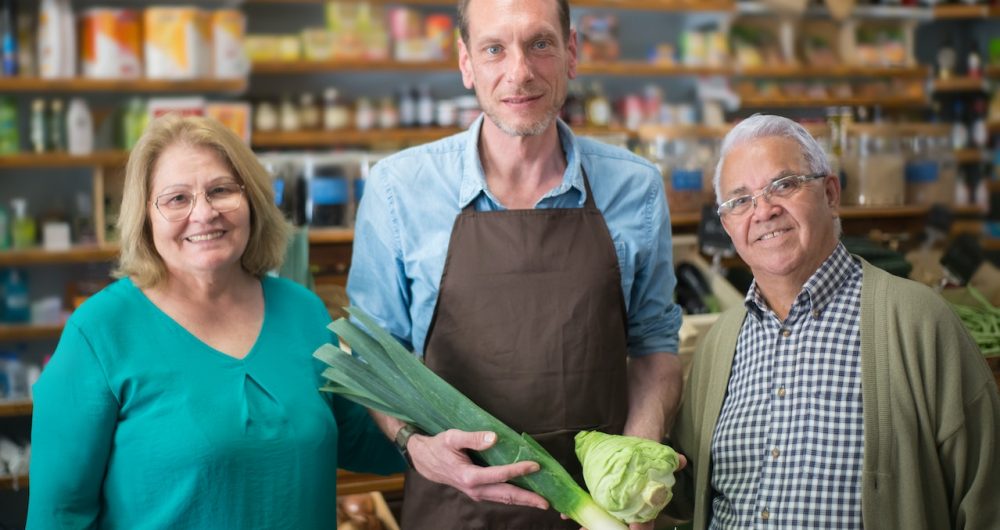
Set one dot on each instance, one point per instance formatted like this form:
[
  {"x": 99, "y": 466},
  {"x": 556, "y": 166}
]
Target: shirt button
[
  {"x": 764, "y": 514},
  {"x": 816, "y": 313},
  {"x": 786, "y": 332},
  {"x": 781, "y": 391},
  {"x": 775, "y": 452}
]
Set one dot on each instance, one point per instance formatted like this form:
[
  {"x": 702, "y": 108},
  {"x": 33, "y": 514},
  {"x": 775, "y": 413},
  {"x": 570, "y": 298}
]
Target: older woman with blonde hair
[{"x": 183, "y": 395}]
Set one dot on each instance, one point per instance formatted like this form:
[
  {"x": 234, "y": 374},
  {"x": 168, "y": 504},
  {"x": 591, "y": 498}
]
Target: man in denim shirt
[{"x": 530, "y": 268}]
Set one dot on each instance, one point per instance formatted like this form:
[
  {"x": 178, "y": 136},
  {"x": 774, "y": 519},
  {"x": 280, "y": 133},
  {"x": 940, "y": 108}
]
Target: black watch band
[{"x": 402, "y": 437}]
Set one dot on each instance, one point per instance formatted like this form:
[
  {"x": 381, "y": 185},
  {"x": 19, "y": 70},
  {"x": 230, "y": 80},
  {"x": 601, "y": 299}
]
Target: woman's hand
[{"x": 442, "y": 459}]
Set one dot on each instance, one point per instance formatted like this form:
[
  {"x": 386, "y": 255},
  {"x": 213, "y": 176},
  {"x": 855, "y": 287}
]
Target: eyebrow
[
  {"x": 216, "y": 180},
  {"x": 742, "y": 190},
  {"x": 487, "y": 39}
]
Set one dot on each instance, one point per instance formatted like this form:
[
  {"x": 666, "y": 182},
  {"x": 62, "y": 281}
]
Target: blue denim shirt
[{"x": 411, "y": 201}]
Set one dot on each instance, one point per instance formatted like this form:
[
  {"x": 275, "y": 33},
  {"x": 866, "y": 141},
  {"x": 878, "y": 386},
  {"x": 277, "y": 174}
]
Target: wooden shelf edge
[
  {"x": 83, "y": 85},
  {"x": 349, "y": 137},
  {"x": 838, "y": 71},
  {"x": 636, "y": 68},
  {"x": 39, "y": 256},
  {"x": 19, "y": 482},
  {"x": 21, "y": 407},
  {"x": 19, "y": 332},
  {"x": 350, "y": 483},
  {"x": 52, "y": 160},
  {"x": 802, "y": 102},
  {"x": 644, "y": 5},
  {"x": 959, "y": 84},
  {"x": 329, "y": 67},
  {"x": 330, "y": 235},
  {"x": 944, "y": 12}
]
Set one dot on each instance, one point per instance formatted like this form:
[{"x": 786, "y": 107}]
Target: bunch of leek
[{"x": 382, "y": 375}]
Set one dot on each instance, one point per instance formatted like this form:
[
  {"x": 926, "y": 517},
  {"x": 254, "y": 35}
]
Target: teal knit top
[{"x": 138, "y": 424}]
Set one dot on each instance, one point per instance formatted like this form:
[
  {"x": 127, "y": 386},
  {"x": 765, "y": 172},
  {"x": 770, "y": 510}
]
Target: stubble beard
[{"x": 532, "y": 129}]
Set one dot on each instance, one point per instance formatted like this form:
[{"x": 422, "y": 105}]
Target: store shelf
[
  {"x": 971, "y": 156},
  {"x": 774, "y": 102},
  {"x": 349, "y": 483},
  {"x": 15, "y": 332},
  {"x": 17, "y": 408},
  {"x": 34, "y": 84},
  {"x": 304, "y": 139},
  {"x": 330, "y": 235},
  {"x": 626, "y": 68},
  {"x": 992, "y": 71},
  {"x": 858, "y": 11},
  {"x": 39, "y": 256},
  {"x": 959, "y": 84},
  {"x": 953, "y": 12},
  {"x": 361, "y": 65},
  {"x": 7, "y": 482},
  {"x": 644, "y": 5},
  {"x": 685, "y": 219},
  {"x": 52, "y": 160},
  {"x": 839, "y": 71}
]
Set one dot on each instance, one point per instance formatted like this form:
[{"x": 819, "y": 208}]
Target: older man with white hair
[{"x": 838, "y": 396}]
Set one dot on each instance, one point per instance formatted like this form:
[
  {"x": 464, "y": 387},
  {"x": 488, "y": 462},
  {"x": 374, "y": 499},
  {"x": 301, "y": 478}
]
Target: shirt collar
[
  {"x": 474, "y": 178},
  {"x": 818, "y": 290}
]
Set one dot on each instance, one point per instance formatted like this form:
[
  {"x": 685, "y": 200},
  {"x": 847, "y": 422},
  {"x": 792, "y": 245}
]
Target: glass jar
[
  {"x": 683, "y": 171},
  {"x": 873, "y": 167}
]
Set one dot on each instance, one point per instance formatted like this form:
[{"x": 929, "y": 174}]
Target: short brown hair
[
  {"x": 269, "y": 232},
  {"x": 463, "y": 19}
]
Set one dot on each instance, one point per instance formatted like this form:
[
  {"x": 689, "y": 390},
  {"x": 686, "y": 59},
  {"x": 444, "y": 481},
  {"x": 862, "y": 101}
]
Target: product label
[
  {"x": 328, "y": 191},
  {"x": 685, "y": 179},
  {"x": 921, "y": 172}
]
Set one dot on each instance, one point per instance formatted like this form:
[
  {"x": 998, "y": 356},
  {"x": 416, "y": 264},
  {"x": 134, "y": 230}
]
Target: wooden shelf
[
  {"x": 16, "y": 332},
  {"x": 349, "y": 483},
  {"x": 645, "y": 5},
  {"x": 39, "y": 256},
  {"x": 991, "y": 71},
  {"x": 330, "y": 235},
  {"x": 626, "y": 68},
  {"x": 685, "y": 219},
  {"x": 993, "y": 186},
  {"x": 991, "y": 244},
  {"x": 51, "y": 160},
  {"x": 971, "y": 156},
  {"x": 839, "y": 71},
  {"x": 959, "y": 84},
  {"x": 944, "y": 12},
  {"x": 349, "y": 137},
  {"x": 764, "y": 102},
  {"x": 330, "y": 67},
  {"x": 13, "y": 409},
  {"x": 7, "y": 482},
  {"x": 33, "y": 84}
]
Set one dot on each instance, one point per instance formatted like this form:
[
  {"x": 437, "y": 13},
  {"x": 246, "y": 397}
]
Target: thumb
[{"x": 478, "y": 441}]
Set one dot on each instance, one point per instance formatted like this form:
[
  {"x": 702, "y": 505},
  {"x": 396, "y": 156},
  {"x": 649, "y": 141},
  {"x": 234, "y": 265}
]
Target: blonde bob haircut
[{"x": 269, "y": 232}]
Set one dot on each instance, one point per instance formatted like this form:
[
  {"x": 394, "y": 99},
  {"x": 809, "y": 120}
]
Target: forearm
[
  {"x": 654, "y": 392},
  {"x": 387, "y": 424}
]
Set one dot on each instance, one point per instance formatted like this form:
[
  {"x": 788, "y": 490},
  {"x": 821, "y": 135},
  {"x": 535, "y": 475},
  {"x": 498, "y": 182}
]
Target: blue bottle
[{"x": 16, "y": 307}]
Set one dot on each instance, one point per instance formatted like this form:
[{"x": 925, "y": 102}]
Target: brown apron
[{"x": 530, "y": 324}]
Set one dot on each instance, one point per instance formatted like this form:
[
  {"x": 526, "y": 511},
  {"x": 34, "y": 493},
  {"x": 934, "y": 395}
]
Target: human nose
[
  {"x": 520, "y": 69},
  {"x": 765, "y": 208},
  {"x": 202, "y": 209}
]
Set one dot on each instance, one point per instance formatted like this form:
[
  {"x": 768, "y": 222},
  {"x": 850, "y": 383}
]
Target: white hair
[{"x": 766, "y": 126}]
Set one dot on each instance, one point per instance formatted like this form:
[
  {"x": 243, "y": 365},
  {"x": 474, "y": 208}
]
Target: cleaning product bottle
[
  {"x": 56, "y": 128},
  {"x": 79, "y": 128},
  {"x": 10, "y": 142},
  {"x": 15, "y": 298},
  {"x": 23, "y": 230},
  {"x": 4, "y": 229},
  {"x": 50, "y": 50},
  {"x": 8, "y": 37}
]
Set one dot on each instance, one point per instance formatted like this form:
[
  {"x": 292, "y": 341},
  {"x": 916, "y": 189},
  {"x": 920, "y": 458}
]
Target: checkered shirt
[{"x": 787, "y": 450}]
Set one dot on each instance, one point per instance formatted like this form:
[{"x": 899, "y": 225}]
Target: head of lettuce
[{"x": 629, "y": 477}]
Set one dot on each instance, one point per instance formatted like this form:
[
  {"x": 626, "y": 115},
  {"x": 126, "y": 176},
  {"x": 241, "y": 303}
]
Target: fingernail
[
  {"x": 535, "y": 467},
  {"x": 489, "y": 437}
]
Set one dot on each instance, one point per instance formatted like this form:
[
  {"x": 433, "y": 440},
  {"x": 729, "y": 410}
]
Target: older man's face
[{"x": 784, "y": 237}]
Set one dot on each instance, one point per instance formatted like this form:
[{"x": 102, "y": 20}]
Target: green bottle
[
  {"x": 10, "y": 142},
  {"x": 23, "y": 232},
  {"x": 4, "y": 229}
]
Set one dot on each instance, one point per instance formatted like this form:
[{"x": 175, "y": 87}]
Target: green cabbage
[{"x": 629, "y": 477}]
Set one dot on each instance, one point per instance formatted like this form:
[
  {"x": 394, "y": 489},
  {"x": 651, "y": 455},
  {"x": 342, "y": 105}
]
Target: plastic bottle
[
  {"x": 407, "y": 108},
  {"x": 10, "y": 142},
  {"x": 23, "y": 231},
  {"x": 133, "y": 122},
  {"x": 39, "y": 140},
  {"x": 16, "y": 307},
  {"x": 50, "y": 48},
  {"x": 425, "y": 107},
  {"x": 17, "y": 382},
  {"x": 79, "y": 128},
  {"x": 56, "y": 128},
  {"x": 335, "y": 115},
  {"x": 4, "y": 229},
  {"x": 8, "y": 37}
]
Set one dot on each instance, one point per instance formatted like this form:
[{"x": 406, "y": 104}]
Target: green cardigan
[{"x": 931, "y": 414}]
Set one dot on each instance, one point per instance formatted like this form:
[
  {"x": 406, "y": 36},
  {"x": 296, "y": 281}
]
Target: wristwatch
[{"x": 402, "y": 437}]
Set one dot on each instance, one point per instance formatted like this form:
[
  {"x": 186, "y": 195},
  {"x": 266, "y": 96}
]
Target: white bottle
[
  {"x": 50, "y": 50},
  {"x": 79, "y": 128},
  {"x": 67, "y": 30}
]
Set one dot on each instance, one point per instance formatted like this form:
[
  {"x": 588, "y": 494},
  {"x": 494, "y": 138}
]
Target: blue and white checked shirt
[{"x": 787, "y": 450}]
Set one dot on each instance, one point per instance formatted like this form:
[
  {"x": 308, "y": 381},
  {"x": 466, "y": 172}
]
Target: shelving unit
[
  {"x": 640, "y": 69},
  {"x": 142, "y": 86},
  {"x": 781, "y": 102},
  {"x": 832, "y": 72},
  {"x": 77, "y": 254},
  {"x": 14, "y": 409},
  {"x": 306, "y": 139},
  {"x": 959, "y": 84},
  {"x": 54, "y": 160},
  {"x": 344, "y": 65},
  {"x": 21, "y": 332},
  {"x": 972, "y": 155}
]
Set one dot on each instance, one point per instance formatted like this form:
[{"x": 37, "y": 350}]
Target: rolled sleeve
[{"x": 654, "y": 319}]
